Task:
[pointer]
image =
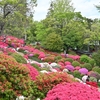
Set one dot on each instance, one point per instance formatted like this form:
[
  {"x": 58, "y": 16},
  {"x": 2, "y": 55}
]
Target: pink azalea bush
[
  {"x": 33, "y": 71},
  {"x": 13, "y": 41},
  {"x": 67, "y": 63},
  {"x": 73, "y": 91},
  {"x": 70, "y": 67},
  {"x": 83, "y": 71}
]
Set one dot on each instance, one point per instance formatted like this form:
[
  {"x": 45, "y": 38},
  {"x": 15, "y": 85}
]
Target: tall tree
[{"x": 14, "y": 13}]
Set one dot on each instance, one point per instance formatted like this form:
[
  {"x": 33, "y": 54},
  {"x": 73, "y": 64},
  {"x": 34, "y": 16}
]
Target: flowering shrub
[
  {"x": 70, "y": 67},
  {"x": 67, "y": 63},
  {"x": 49, "y": 59},
  {"x": 14, "y": 42},
  {"x": 74, "y": 57},
  {"x": 19, "y": 58},
  {"x": 33, "y": 71},
  {"x": 73, "y": 91},
  {"x": 94, "y": 74},
  {"x": 83, "y": 71},
  {"x": 14, "y": 78},
  {"x": 47, "y": 81}
]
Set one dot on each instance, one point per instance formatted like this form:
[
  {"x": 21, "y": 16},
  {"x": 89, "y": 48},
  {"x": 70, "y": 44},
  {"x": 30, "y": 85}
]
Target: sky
[{"x": 86, "y": 7}]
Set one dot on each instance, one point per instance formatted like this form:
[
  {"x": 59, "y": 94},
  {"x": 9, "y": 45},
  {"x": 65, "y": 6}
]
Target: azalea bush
[
  {"x": 36, "y": 66},
  {"x": 69, "y": 59},
  {"x": 14, "y": 42},
  {"x": 14, "y": 78},
  {"x": 92, "y": 62},
  {"x": 77, "y": 74},
  {"x": 87, "y": 66},
  {"x": 19, "y": 58},
  {"x": 47, "y": 81},
  {"x": 33, "y": 72},
  {"x": 96, "y": 69},
  {"x": 49, "y": 59},
  {"x": 73, "y": 91},
  {"x": 75, "y": 63},
  {"x": 84, "y": 58}
]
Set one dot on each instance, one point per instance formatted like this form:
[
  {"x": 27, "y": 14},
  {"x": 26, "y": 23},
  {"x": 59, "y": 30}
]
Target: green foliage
[
  {"x": 14, "y": 20},
  {"x": 96, "y": 69},
  {"x": 69, "y": 59},
  {"x": 22, "y": 51},
  {"x": 35, "y": 58},
  {"x": 57, "y": 58},
  {"x": 93, "y": 79},
  {"x": 75, "y": 63},
  {"x": 84, "y": 59},
  {"x": 71, "y": 52},
  {"x": 19, "y": 58},
  {"x": 96, "y": 57},
  {"x": 36, "y": 66},
  {"x": 53, "y": 42},
  {"x": 77, "y": 74},
  {"x": 92, "y": 62},
  {"x": 87, "y": 66}
]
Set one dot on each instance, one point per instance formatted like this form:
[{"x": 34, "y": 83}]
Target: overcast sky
[{"x": 86, "y": 7}]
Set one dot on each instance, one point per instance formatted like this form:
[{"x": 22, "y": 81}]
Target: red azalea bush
[
  {"x": 73, "y": 91},
  {"x": 47, "y": 81},
  {"x": 92, "y": 84},
  {"x": 14, "y": 78}
]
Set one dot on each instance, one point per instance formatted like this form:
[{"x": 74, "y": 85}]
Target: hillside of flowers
[{"x": 32, "y": 73}]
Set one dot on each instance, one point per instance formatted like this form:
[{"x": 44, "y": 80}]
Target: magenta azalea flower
[
  {"x": 70, "y": 67},
  {"x": 73, "y": 91},
  {"x": 83, "y": 71},
  {"x": 33, "y": 71}
]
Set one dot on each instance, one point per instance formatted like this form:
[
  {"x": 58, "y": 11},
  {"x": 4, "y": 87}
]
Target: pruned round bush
[
  {"x": 94, "y": 74},
  {"x": 75, "y": 63},
  {"x": 92, "y": 79},
  {"x": 69, "y": 59},
  {"x": 84, "y": 58},
  {"x": 14, "y": 78},
  {"x": 87, "y": 66},
  {"x": 62, "y": 60},
  {"x": 96, "y": 69},
  {"x": 92, "y": 62},
  {"x": 77, "y": 74},
  {"x": 19, "y": 58},
  {"x": 58, "y": 58}
]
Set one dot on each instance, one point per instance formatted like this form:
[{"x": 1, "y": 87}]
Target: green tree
[
  {"x": 14, "y": 14},
  {"x": 53, "y": 42}
]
